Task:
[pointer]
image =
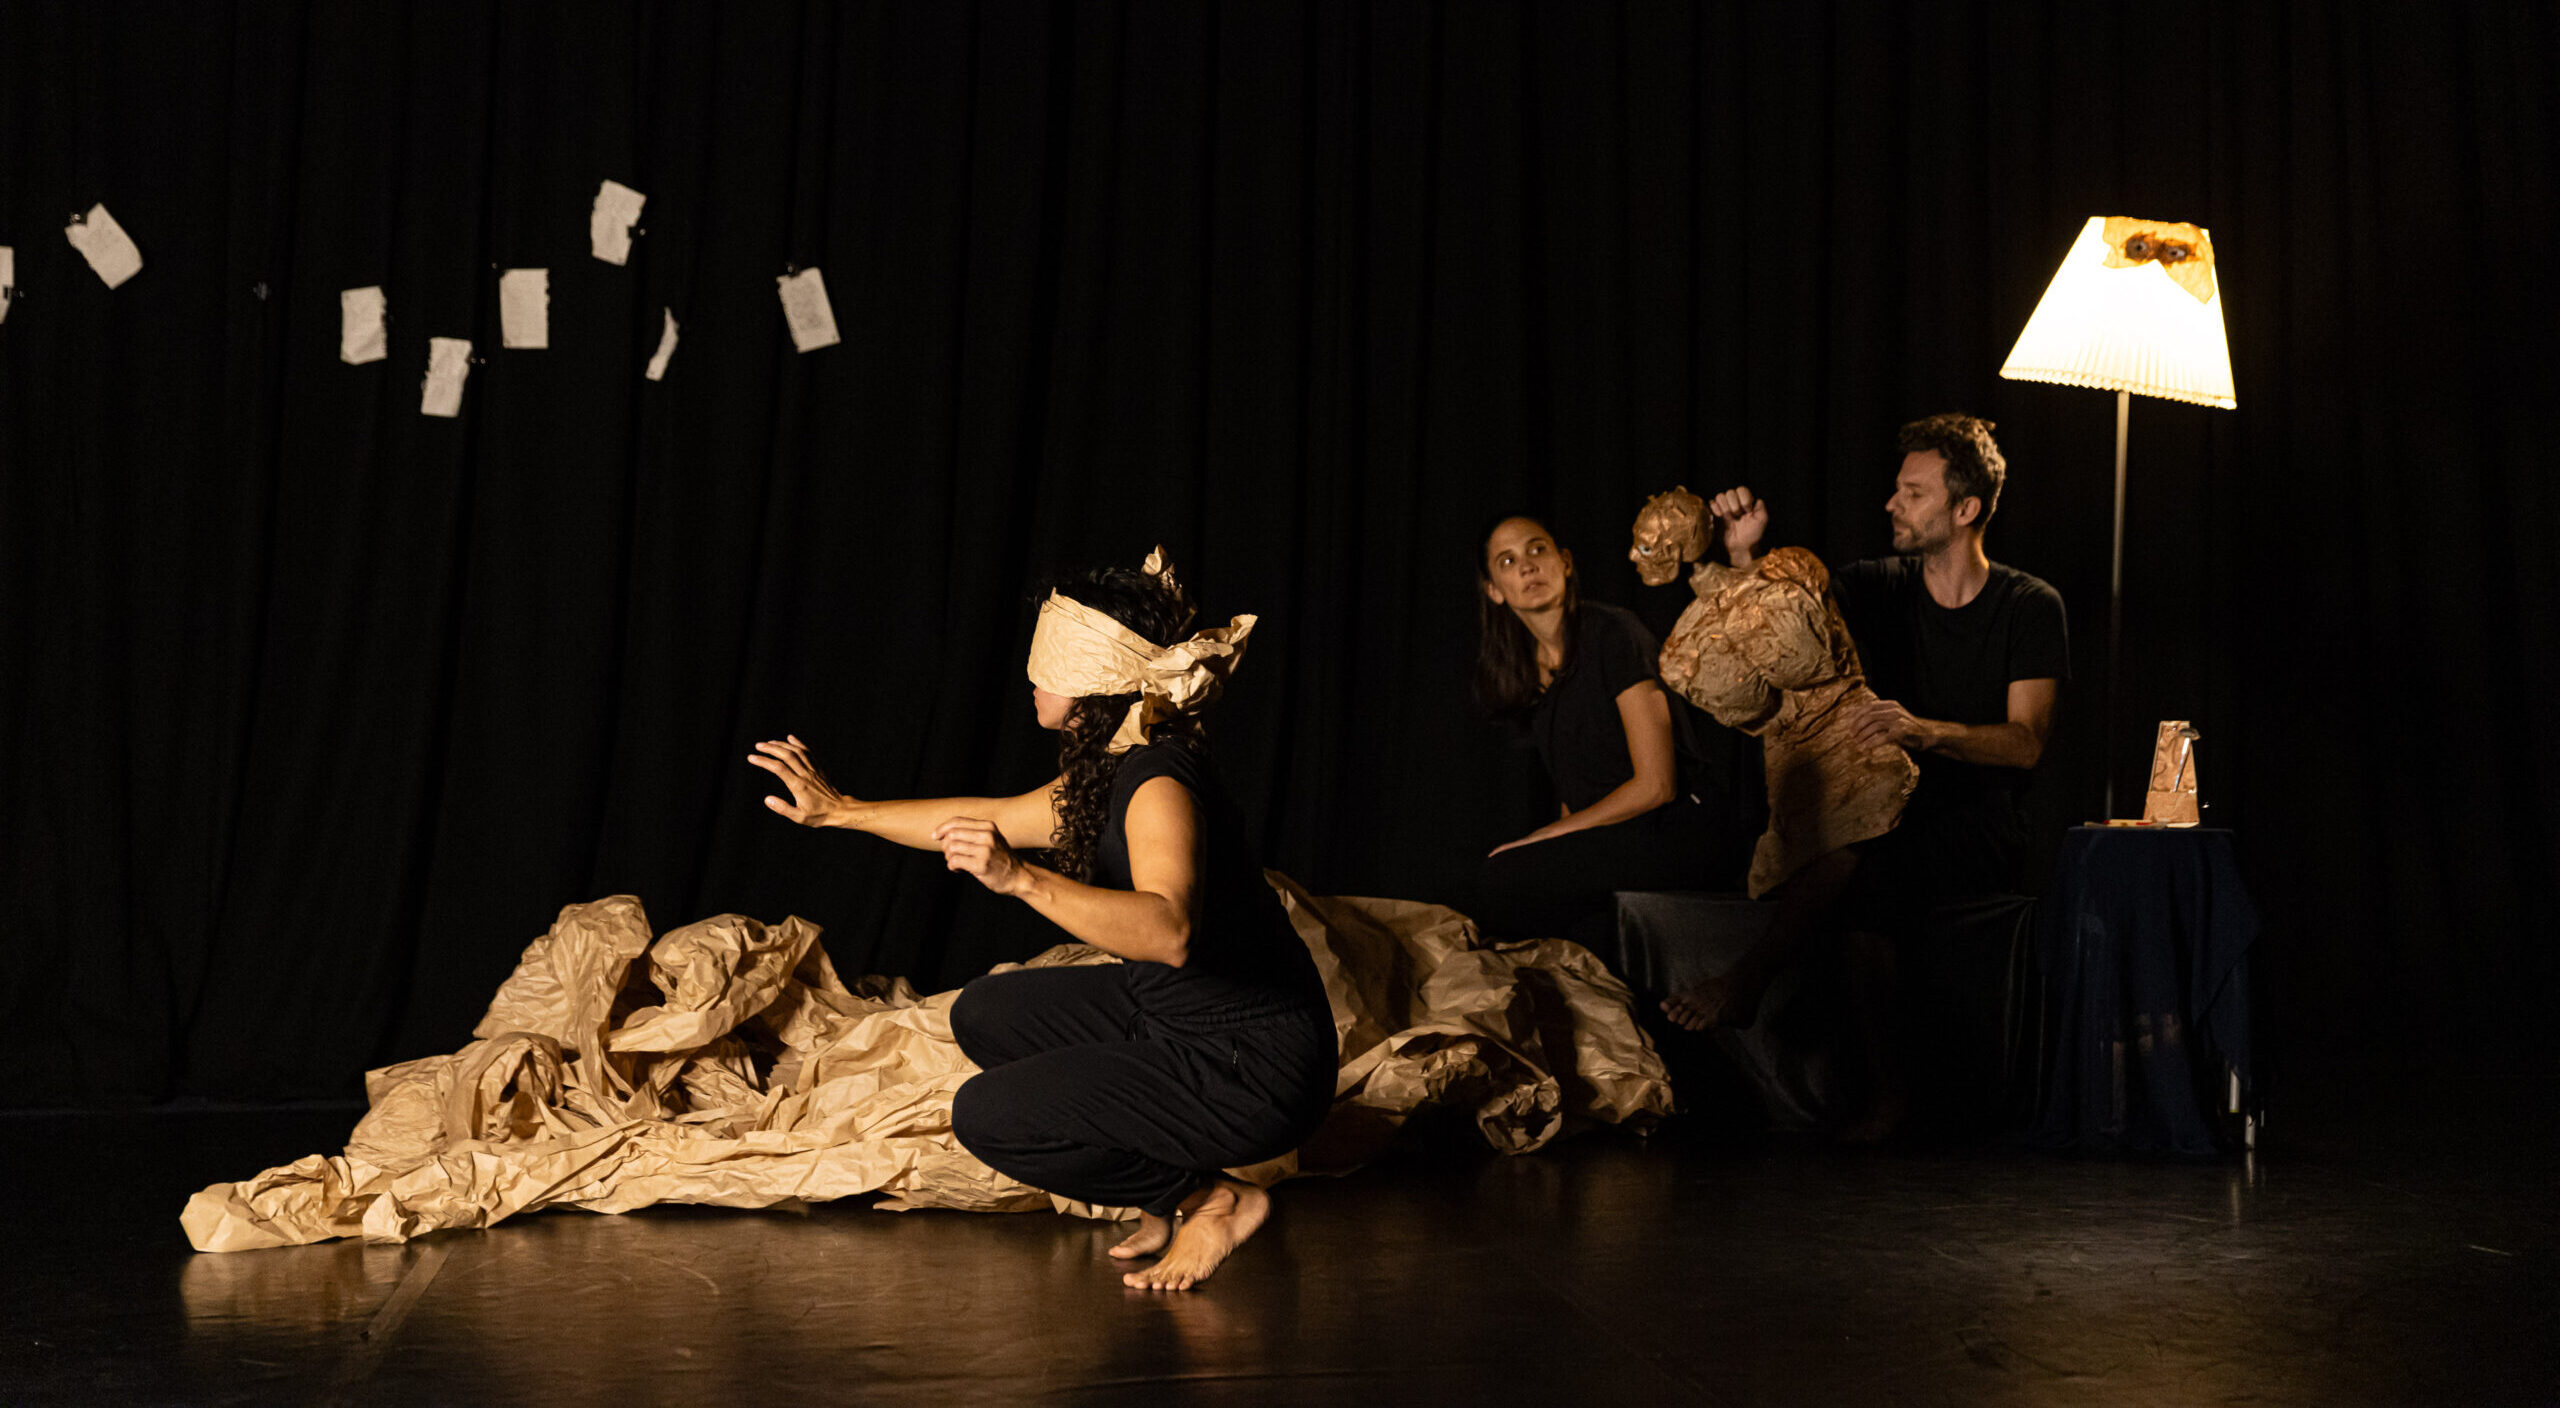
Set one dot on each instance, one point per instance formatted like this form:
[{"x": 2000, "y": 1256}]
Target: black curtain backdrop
[{"x": 315, "y": 710}]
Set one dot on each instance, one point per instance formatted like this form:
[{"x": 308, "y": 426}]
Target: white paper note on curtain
[
  {"x": 524, "y": 308},
  {"x": 617, "y": 209},
  {"x": 666, "y": 349},
  {"x": 105, "y": 245},
  {"x": 8, "y": 280},
  {"x": 804, "y": 306},
  {"x": 361, "y": 335},
  {"x": 448, "y": 366}
]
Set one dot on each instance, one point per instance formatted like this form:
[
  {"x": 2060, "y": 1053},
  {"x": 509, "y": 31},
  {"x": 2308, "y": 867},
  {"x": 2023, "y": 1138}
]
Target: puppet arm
[{"x": 1744, "y": 516}]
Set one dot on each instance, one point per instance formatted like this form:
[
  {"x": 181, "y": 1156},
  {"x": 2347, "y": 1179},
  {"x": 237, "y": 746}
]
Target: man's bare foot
[
  {"x": 1215, "y": 1221},
  {"x": 1153, "y": 1232},
  {"x": 1732, "y": 1000}
]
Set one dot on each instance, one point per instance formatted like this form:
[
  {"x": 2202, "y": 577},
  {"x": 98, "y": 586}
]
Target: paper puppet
[{"x": 1764, "y": 650}]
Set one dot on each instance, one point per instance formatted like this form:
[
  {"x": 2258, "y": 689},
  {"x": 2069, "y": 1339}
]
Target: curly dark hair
[
  {"x": 1975, "y": 469},
  {"x": 1506, "y": 679},
  {"x": 1160, "y": 610}
]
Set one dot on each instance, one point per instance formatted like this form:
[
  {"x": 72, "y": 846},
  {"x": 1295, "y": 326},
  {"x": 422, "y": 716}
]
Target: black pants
[
  {"x": 1084, "y": 1093},
  {"x": 1938, "y": 855},
  {"x": 1564, "y": 887}
]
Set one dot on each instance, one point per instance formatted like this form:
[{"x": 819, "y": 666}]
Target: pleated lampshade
[{"x": 2128, "y": 324}]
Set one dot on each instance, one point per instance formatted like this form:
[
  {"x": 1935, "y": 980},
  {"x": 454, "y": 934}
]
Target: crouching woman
[{"x": 1212, "y": 1046}]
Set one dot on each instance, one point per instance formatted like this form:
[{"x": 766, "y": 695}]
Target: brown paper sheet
[{"x": 726, "y": 1063}]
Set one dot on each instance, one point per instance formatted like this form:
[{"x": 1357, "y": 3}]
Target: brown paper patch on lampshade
[{"x": 2183, "y": 252}]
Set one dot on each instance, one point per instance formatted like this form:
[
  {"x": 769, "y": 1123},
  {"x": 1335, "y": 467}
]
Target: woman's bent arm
[
  {"x": 1151, "y": 921},
  {"x": 1645, "y": 712}
]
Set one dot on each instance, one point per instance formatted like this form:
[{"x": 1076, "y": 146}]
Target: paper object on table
[{"x": 2172, "y": 798}]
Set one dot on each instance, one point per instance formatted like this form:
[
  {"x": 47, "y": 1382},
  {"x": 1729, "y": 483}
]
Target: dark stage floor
[{"x": 2395, "y": 1249}]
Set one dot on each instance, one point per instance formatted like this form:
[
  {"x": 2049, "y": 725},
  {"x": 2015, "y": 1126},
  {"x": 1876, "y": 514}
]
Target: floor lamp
[{"x": 2134, "y": 307}]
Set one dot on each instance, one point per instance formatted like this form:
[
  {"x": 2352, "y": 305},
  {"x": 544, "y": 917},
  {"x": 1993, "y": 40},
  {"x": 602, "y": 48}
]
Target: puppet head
[{"x": 1671, "y": 532}]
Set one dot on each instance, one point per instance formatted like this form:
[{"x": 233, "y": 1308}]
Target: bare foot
[
  {"x": 1215, "y": 1221},
  {"x": 1732, "y": 1000},
  {"x": 1153, "y": 1232}
]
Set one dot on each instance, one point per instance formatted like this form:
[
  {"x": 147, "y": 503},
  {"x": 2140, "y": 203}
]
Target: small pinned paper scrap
[
  {"x": 448, "y": 366},
  {"x": 361, "y": 336},
  {"x": 105, "y": 245},
  {"x": 617, "y": 209},
  {"x": 666, "y": 349},
  {"x": 524, "y": 309},
  {"x": 805, "y": 307}
]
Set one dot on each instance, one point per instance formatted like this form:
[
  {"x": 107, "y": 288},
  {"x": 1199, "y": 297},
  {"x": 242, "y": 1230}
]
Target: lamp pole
[
  {"x": 2115, "y": 612},
  {"x": 2119, "y": 317}
]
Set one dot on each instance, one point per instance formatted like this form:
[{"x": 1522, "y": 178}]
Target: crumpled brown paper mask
[{"x": 1670, "y": 533}]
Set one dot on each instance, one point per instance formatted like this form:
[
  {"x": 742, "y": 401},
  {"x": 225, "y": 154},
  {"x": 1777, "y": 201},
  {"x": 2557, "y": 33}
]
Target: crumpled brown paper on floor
[{"x": 732, "y": 1066}]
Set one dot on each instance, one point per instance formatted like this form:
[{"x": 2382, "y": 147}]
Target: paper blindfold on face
[{"x": 1080, "y": 652}]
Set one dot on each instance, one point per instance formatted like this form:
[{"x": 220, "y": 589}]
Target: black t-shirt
[
  {"x": 1575, "y": 724},
  {"x": 1245, "y": 959},
  {"x": 1955, "y": 665}
]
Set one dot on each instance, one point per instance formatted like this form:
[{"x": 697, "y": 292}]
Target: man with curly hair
[{"x": 1967, "y": 657}]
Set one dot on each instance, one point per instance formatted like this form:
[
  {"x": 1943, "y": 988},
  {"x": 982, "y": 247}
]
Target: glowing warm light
[{"x": 2126, "y": 329}]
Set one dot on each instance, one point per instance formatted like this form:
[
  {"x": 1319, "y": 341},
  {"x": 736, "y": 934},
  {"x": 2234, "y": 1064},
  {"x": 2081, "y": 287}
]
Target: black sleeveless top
[{"x": 1245, "y": 961}]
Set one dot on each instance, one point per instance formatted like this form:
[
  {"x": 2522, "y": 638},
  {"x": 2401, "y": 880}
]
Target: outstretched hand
[
  {"x": 814, "y": 800},
  {"x": 975, "y": 847}
]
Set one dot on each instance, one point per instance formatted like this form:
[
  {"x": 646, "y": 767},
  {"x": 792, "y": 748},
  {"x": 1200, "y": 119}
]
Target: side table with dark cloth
[{"x": 2145, "y": 942}]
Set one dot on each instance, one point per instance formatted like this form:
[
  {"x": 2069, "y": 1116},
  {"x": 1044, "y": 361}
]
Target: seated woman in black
[
  {"x": 1581, "y": 679},
  {"x": 1212, "y": 1046}
]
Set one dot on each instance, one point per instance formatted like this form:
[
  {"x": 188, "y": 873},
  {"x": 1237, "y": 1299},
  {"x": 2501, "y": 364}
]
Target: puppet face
[{"x": 1671, "y": 531}]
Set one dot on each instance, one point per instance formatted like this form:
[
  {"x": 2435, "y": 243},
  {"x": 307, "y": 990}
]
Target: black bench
[{"x": 1972, "y": 1006}]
